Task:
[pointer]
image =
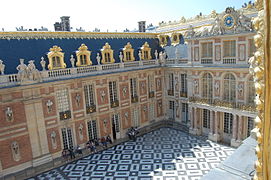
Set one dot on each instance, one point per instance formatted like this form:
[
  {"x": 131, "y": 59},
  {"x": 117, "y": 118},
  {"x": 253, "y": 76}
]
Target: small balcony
[
  {"x": 134, "y": 99},
  {"x": 170, "y": 92},
  {"x": 115, "y": 104},
  {"x": 65, "y": 115},
  {"x": 206, "y": 61},
  {"x": 223, "y": 103},
  {"x": 91, "y": 109},
  {"x": 183, "y": 94},
  {"x": 151, "y": 94}
]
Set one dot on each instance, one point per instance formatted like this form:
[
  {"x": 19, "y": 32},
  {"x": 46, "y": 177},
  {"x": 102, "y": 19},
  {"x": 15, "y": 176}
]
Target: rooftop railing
[{"x": 58, "y": 74}]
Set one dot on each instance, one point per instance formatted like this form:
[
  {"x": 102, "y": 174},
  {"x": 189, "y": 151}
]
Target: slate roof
[{"x": 11, "y": 50}]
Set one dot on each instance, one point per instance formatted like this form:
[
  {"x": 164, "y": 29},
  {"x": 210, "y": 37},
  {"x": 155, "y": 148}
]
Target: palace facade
[{"x": 60, "y": 89}]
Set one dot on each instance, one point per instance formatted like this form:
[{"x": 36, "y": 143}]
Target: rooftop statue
[
  {"x": 28, "y": 73},
  {"x": 2, "y": 67},
  {"x": 22, "y": 71},
  {"x": 217, "y": 28}
]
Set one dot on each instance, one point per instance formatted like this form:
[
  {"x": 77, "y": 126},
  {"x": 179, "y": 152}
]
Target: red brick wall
[
  {"x": 6, "y": 152},
  {"x": 99, "y": 96},
  {"x": 18, "y": 114},
  {"x": 159, "y": 108},
  {"x": 126, "y": 123},
  {"x": 122, "y": 95},
  {"x": 104, "y": 131},
  {"x": 45, "y": 109},
  {"x": 144, "y": 114},
  {"x": 58, "y": 141},
  {"x": 158, "y": 88},
  {"x": 143, "y": 87},
  {"x": 77, "y": 106},
  {"x": 84, "y": 130}
]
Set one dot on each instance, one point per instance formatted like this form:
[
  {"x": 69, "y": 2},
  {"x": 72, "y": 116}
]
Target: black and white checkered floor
[{"x": 164, "y": 154}]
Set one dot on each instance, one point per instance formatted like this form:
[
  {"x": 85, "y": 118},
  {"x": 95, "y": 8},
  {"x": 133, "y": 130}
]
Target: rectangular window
[
  {"x": 152, "y": 112},
  {"x": 89, "y": 95},
  {"x": 116, "y": 123},
  {"x": 92, "y": 130},
  {"x": 67, "y": 138},
  {"x": 228, "y": 118},
  {"x": 206, "y": 118},
  {"x": 135, "y": 118},
  {"x": 56, "y": 61},
  {"x": 151, "y": 83},
  {"x": 184, "y": 83},
  {"x": 171, "y": 84},
  {"x": 107, "y": 57},
  {"x": 133, "y": 87},
  {"x": 229, "y": 48},
  {"x": 128, "y": 56},
  {"x": 250, "y": 125},
  {"x": 83, "y": 59},
  {"x": 145, "y": 54},
  {"x": 185, "y": 112},
  {"x": 251, "y": 47},
  {"x": 207, "y": 50},
  {"x": 63, "y": 100},
  {"x": 113, "y": 91}
]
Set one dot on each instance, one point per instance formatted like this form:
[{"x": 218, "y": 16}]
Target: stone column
[
  {"x": 240, "y": 128},
  {"x": 211, "y": 123},
  {"x": 193, "y": 127},
  {"x": 234, "y": 127},
  {"x": 234, "y": 141},
  {"x": 37, "y": 132},
  {"x": 216, "y": 122}
]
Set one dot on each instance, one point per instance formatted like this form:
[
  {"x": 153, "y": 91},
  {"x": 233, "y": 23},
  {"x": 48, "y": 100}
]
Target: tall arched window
[
  {"x": 229, "y": 88},
  {"x": 251, "y": 91},
  {"x": 207, "y": 86}
]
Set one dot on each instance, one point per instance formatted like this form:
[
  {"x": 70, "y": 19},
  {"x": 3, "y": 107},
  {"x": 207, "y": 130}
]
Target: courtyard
[{"x": 163, "y": 154}]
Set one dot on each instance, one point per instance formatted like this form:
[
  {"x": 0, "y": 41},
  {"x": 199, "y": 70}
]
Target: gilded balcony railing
[
  {"x": 65, "y": 115},
  {"x": 223, "y": 103},
  {"x": 115, "y": 104},
  {"x": 170, "y": 92},
  {"x": 91, "y": 109},
  {"x": 151, "y": 94},
  {"x": 134, "y": 99},
  {"x": 183, "y": 94}
]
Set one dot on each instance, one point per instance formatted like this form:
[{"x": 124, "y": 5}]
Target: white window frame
[{"x": 113, "y": 91}]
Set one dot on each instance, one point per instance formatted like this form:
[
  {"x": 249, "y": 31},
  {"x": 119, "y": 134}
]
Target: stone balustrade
[
  {"x": 222, "y": 103},
  {"x": 58, "y": 74}
]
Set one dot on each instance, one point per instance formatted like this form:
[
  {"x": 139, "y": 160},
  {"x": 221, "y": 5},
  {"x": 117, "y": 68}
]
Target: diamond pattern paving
[{"x": 164, "y": 154}]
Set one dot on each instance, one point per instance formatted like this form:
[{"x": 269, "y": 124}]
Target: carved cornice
[{"x": 73, "y": 35}]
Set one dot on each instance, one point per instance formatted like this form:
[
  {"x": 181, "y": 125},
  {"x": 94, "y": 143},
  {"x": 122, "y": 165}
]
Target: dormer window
[
  {"x": 107, "y": 54},
  {"x": 107, "y": 57},
  {"x": 83, "y": 59},
  {"x": 163, "y": 39},
  {"x": 128, "y": 52},
  {"x": 83, "y": 56},
  {"x": 56, "y": 61},
  {"x": 175, "y": 39},
  {"x": 56, "y": 58},
  {"x": 128, "y": 56},
  {"x": 146, "y": 52}
]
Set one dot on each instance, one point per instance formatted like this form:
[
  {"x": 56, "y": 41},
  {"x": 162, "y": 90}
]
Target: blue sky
[{"x": 109, "y": 15}]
